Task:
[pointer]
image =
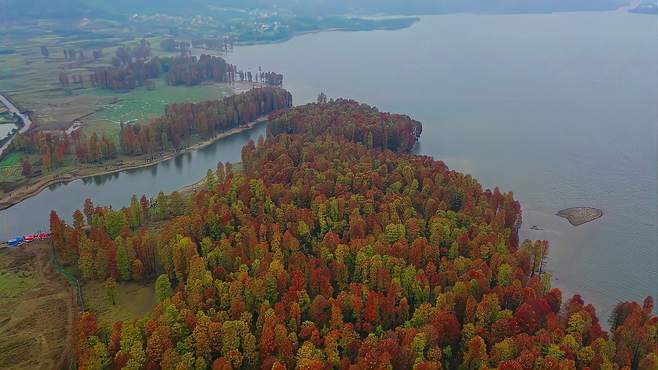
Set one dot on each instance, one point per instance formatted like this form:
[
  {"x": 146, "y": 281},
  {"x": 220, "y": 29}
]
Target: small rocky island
[
  {"x": 645, "y": 8},
  {"x": 580, "y": 215}
]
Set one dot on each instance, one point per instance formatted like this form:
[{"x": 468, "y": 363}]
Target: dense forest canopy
[
  {"x": 205, "y": 119},
  {"x": 328, "y": 250},
  {"x": 350, "y": 120}
]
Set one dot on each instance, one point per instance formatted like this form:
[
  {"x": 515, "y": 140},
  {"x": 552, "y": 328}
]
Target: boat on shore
[{"x": 20, "y": 240}]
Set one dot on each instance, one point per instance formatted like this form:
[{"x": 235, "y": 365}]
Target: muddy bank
[{"x": 580, "y": 215}]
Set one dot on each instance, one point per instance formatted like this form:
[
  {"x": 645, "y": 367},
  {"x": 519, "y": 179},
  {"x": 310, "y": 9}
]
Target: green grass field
[
  {"x": 13, "y": 283},
  {"x": 142, "y": 104}
]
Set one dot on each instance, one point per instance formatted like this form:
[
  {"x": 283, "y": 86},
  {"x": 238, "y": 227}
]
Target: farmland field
[
  {"x": 11, "y": 160},
  {"x": 10, "y": 166},
  {"x": 32, "y": 80}
]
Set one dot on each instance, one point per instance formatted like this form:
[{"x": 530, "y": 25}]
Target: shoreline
[
  {"x": 24, "y": 193},
  {"x": 280, "y": 40}
]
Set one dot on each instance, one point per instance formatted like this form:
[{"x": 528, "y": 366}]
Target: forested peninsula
[{"x": 334, "y": 247}]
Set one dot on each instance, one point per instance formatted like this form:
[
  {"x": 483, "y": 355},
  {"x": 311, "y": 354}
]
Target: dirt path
[
  {"x": 45, "y": 273},
  {"x": 37, "y": 310}
]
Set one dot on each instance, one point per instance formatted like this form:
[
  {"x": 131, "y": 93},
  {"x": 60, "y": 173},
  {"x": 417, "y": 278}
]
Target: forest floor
[
  {"x": 133, "y": 300},
  {"x": 37, "y": 310}
]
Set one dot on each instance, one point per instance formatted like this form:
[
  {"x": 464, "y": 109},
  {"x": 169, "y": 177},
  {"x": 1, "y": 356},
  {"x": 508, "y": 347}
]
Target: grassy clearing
[
  {"x": 15, "y": 283},
  {"x": 157, "y": 50},
  {"x": 142, "y": 104},
  {"x": 134, "y": 300}
]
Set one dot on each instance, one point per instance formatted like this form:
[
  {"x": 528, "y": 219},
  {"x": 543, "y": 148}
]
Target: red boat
[
  {"x": 44, "y": 236},
  {"x": 31, "y": 238}
]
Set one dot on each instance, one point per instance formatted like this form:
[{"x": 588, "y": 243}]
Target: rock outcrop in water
[
  {"x": 645, "y": 8},
  {"x": 580, "y": 215}
]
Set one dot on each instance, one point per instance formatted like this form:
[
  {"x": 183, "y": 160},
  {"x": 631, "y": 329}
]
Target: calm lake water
[{"x": 559, "y": 108}]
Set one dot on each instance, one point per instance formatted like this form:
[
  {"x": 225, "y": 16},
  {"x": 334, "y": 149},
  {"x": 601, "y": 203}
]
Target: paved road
[{"x": 13, "y": 109}]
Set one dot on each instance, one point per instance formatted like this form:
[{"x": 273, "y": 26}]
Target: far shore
[{"x": 31, "y": 190}]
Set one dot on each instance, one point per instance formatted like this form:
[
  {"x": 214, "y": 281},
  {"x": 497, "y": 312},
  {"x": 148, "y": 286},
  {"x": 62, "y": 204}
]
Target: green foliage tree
[
  {"x": 123, "y": 262},
  {"x": 163, "y": 287},
  {"x": 114, "y": 222}
]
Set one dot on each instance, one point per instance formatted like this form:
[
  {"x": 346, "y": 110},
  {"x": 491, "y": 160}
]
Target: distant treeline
[
  {"x": 131, "y": 67},
  {"x": 134, "y": 67},
  {"x": 191, "y": 71},
  {"x": 127, "y": 78},
  {"x": 206, "y": 119},
  {"x": 224, "y": 43},
  {"x": 54, "y": 148},
  {"x": 351, "y": 120}
]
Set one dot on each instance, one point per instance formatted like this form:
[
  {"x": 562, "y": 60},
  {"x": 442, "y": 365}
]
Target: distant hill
[
  {"x": 127, "y": 7},
  {"x": 445, "y": 6},
  {"x": 80, "y": 8},
  {"x": 11, "y": 9},
  {"x": 645, "y": 8}
]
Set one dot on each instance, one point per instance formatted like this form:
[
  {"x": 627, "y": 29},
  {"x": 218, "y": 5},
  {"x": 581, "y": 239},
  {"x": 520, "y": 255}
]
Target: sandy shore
[
  {"x": 31, "y": 190},
  {"x": 580, "y": 215}
]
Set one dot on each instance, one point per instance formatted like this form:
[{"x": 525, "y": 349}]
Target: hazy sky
[{"x": 78, "y": 8}]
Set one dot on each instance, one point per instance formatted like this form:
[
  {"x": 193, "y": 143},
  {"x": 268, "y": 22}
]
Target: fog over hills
[{"x": 118, "y": 8}]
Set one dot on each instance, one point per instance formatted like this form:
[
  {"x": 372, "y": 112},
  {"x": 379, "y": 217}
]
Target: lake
[
  {"x": 115, "y": 189},
  {"x": 561, "y": 109},
  {"x": 5, "y": 129}
]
